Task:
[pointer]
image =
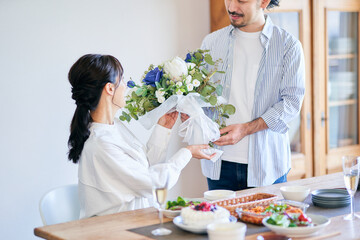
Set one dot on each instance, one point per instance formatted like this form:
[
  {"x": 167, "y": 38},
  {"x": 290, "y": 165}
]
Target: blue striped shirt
[{"x": 279, "y": 92}]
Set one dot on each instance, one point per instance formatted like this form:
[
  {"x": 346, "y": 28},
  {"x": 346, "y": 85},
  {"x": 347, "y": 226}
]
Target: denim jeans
[{"x": 233, "y": 176}]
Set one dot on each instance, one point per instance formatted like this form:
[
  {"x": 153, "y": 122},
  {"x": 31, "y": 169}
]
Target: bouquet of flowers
[{"x": 184, "y": 86}]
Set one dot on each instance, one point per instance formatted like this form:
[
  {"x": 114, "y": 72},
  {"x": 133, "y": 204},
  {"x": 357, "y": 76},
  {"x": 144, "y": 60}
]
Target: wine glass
[
  {"x": 160, "y": 187},
  {"x": 351, "y": 169}
]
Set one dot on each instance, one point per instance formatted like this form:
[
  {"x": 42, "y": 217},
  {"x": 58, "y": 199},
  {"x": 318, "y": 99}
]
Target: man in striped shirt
[{"x": 265, "y": 81}]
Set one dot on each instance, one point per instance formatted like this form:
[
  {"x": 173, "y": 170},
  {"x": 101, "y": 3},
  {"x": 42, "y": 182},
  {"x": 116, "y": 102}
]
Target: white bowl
[
  {"x": 218, "y": 194},
  {"x": 228, "y": 231},
  {"x": 319, "y": 221},
  {"x": 295, "y": 193}
]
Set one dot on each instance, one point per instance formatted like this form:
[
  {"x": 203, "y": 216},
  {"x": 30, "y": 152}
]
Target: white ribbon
[{"x": 198, "y": 129}]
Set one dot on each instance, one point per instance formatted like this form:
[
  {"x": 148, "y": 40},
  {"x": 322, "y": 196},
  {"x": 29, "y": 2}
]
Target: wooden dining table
[{"x": 133, "y": 224}]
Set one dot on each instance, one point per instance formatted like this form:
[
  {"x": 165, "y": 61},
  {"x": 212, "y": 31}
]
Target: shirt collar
[{"x": 268, "y": 27}]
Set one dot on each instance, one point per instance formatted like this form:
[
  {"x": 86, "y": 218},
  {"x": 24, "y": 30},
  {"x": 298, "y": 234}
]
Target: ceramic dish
[
  {"x": 319, "y": 221},
  {"x": 295, "y": 193},
  {"x": 330, "y": 194},
  {"x": 194, "y": 229},
  {"x": 256, "y": 218}
]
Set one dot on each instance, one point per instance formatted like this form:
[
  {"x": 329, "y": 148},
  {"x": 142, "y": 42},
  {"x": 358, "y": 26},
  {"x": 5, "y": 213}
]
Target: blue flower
[
  {"x": 131, "y": 84},
  {"x": 188, "y": 57},
  {"x": 153, "y": 76}
]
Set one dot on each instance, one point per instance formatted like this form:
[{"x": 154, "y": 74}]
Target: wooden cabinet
[
  {"x": 336, "y": 82},
  {"x": 328, "y": 125}
]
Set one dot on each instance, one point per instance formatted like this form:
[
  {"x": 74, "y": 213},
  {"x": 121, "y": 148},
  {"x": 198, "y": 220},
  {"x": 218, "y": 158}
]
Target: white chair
[{"x": 60, "y": 205}]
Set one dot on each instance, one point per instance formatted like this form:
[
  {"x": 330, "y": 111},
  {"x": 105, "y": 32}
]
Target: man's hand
[
  {"x": 234, "y": 133},
  {"x": 168, "y": 120}
]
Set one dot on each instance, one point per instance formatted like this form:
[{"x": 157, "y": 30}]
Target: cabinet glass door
[
  {"x": 342, "y": 79},
  {"x": 290, "y": 22}
]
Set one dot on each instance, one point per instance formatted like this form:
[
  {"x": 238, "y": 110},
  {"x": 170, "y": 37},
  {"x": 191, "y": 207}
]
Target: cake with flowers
[{"x": 204, "y": 214}]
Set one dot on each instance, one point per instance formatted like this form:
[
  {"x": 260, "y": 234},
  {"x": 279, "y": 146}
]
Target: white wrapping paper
[{"x": 198, "y": 129}]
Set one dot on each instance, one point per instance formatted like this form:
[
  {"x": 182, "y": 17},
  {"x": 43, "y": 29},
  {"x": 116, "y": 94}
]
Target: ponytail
[
  {"x": 88, "y": 76},
  {"x": 79, "y": 132}
]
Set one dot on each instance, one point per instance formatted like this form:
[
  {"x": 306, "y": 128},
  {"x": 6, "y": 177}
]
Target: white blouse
[{"x": 114, "y": 168}]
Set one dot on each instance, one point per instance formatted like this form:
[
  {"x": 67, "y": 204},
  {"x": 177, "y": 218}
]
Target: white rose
[
  {"x": 179, "y": 92},
  {"x": 176, "y": 68},
  {"x": 179, "y": 84},
  {"x": 190, "y": 87},
  {"x": 196, "y": 83},
  {"x": 188, "y": 79},
  {"x": 159, "y": 93},
  {"x": 190, "y": 65},
  {"x": 161, "y": 99}
]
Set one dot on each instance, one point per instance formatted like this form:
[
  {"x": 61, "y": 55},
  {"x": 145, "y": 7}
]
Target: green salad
[
  {"x": 276, "y": 208},
  {"x": 180, "y": 203},
  {"x": 293, "y": 220}
]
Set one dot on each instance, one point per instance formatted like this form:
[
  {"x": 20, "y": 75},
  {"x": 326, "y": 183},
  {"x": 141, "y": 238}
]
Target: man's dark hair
[{"x": 273, "y": 3}]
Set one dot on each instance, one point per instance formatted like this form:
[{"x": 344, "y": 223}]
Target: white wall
[{"x": 39, "y": 41}]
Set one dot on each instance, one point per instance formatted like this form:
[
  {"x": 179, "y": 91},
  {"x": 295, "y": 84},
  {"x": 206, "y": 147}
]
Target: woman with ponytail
[{"x": 114, "y": 166}]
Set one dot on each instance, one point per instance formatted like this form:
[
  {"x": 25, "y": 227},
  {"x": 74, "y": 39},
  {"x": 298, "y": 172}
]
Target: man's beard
[{"x": 237, "y": 25}]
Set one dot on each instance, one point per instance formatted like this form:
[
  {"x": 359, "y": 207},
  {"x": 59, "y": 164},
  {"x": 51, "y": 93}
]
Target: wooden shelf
[
  {"x": 342, "y": 56},
  {"x": 342, "y": 103}
]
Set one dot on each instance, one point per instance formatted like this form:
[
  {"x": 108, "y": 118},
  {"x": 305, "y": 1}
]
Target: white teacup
[{"x": 228, "y": 231}]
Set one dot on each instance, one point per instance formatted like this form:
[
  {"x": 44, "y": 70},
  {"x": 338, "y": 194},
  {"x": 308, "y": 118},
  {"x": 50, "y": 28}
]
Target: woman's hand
[
  {"x": 196, "y": 151},
  {"x": 168, "y": 120},
  {"x": 184, "y": 117}
]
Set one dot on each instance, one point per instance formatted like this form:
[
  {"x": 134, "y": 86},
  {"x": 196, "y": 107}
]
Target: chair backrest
[{"x": 60, "y": 205}]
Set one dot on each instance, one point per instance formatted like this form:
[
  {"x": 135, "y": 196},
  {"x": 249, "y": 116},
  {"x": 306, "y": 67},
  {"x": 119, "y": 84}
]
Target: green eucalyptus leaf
[
  {"x": 198, "y": 56},
  {"x": 148, "y": 106},
  {"x": 229, "y": 109},
  {"x": 122, "y": 118},
  {"x": 208, "y": 59},
  {"x": 219, "y": 90},
  {"x": 144, "y": 93},
  {"x": 197, "y": 76},
  {"x": 134, "y": 95},
  {"x": 220, "y": 71},
  {"x": 207, "y": 90},
  {"x": 213, "y": 100},
  {"x": 139, "y": 91},
  {"x": 134, "y": 116}
]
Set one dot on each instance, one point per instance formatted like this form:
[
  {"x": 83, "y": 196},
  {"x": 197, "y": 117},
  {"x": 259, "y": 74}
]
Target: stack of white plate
[{"x": 330, "y": 198}]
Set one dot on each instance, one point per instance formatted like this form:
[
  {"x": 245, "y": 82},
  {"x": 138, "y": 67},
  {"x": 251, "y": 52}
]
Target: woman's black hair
[
  {"x": 88, "y": 76},
  {"x": 273, "y": 3}
]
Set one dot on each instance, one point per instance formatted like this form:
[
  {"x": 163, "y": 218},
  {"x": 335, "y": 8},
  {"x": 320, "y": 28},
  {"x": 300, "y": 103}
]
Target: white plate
[
  {"x": 175, "y": 213},
  {"x": 319, "y": 220},
  {"x": 194, "y": 229}
]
